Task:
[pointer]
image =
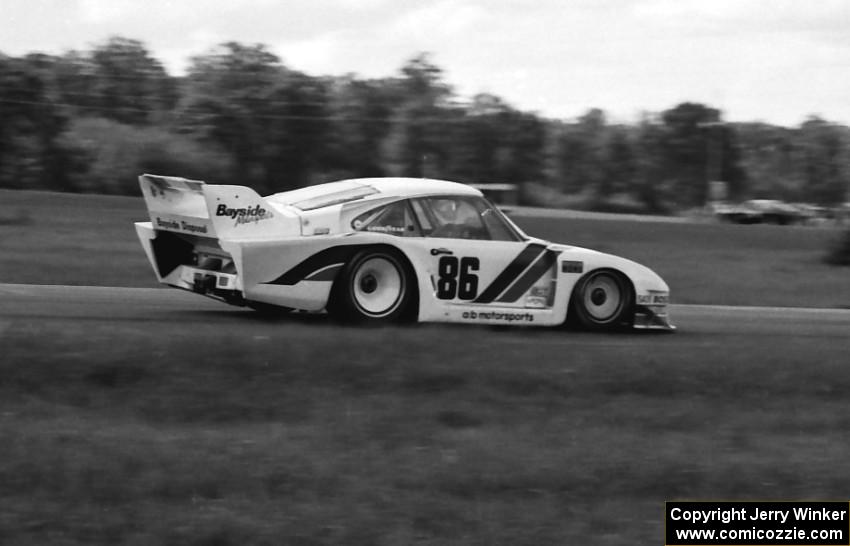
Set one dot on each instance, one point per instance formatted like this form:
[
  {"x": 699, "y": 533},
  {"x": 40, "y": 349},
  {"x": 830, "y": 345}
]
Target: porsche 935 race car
[{"x": 377, "y": 250}]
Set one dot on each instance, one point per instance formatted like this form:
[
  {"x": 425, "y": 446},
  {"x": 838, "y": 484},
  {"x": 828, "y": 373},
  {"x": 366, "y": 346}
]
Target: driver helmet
[{"x": 445, "y": 210}]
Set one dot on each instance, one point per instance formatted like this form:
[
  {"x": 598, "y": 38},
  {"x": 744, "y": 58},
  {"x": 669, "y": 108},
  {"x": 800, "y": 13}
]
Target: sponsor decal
[
  {"x": 536, "y": 302},
  {"x": 180, "y": 226},
  {"x": 497, "y": 315},
  {"x": 193, "y": 228},
  {"x": 244, "y": 215},
  {"x": 653, "y": 299},
  {"x": 572, "y": 267},
  {"x": 167, "y": 224},
  {"x": 386, "y": 229},
  {"x": 538, "y": 297},
  {"x": 540, "y": 291}
]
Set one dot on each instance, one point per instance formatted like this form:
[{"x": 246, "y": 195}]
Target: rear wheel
[
  {"x": 603, "y": 300},
  {"x": 377, "y": 286}
]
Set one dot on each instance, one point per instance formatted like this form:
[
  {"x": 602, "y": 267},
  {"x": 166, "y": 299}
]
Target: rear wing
[{"x": 193, "y": 207}]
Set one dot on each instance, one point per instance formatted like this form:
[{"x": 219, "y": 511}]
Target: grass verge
[{"x": 430, "y": 435}]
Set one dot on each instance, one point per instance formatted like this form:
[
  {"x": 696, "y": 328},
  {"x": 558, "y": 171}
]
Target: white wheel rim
[
  {"x": 603, "y": 298},
  {"x": 377, "y": 286}
]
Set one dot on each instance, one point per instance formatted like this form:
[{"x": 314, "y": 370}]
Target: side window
[
  {"x": 422, "y": 217},
  {"x": 499, "y": 231},
  {"x": 394, "y": 219},
  {"x": 452, "y": 218}
]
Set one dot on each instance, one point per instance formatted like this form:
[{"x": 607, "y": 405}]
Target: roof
[
  {"x": 411, "y": 187},
  {"x": 331, "y": 193}
]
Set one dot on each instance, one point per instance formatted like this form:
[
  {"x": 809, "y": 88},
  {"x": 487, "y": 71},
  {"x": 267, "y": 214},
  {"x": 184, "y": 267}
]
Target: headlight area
[{"x": 651, "y": 312}]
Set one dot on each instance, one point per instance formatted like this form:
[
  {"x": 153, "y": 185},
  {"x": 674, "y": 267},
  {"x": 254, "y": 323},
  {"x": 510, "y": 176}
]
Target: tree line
[{"x": 92, "y": 121}]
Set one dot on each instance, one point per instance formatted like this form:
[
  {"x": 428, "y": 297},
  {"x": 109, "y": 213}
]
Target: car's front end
[
  {"x": 651, "y": 295},
  {"x": 652, "y": 298},
  {"x": 651, "y": 311}
]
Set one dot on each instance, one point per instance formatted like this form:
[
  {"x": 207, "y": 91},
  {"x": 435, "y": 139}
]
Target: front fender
[{"x": 652, "y": 294}]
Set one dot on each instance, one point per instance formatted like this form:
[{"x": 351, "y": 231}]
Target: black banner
[{"x": 743, "y": 523}]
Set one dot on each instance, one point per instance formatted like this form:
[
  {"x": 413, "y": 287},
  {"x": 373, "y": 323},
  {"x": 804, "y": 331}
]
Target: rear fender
[{"x": 192, "y": 207}]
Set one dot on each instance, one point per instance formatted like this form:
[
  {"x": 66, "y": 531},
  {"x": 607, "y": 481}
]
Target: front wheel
[
  {"x": 603, "y": 300},
  {"x": 377, "y": 286}
]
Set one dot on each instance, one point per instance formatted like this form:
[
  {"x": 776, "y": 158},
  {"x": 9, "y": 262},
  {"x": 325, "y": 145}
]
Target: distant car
[
  {"x": 774, "y": 211},
  {"x": 381, "y": 250},
  {"x": 842, "y": 213},
  {"x": 812, "y": 214},
  {"x": 737, "y": 213},
  {"x": 761, "y": 211}
]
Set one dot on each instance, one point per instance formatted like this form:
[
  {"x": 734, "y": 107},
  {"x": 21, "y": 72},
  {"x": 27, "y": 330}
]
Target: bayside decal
[{"x": 244, "y": 215}]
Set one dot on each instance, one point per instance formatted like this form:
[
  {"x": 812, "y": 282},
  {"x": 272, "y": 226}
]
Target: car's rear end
[{"x": 196, "y": 232}]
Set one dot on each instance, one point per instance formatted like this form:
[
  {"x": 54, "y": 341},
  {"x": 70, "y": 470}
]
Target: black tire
[
  {"x": 377, "y": 286},
  {"x": 604, "y": 300}
]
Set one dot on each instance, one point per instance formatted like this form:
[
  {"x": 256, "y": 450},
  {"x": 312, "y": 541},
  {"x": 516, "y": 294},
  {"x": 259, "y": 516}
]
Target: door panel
[{"x": 478, "y": 273}]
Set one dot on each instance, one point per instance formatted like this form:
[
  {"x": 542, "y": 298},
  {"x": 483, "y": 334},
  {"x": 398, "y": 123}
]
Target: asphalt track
[{"x": 698, "y": 325}]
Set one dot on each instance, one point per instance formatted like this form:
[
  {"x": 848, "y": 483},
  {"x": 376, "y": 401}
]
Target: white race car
[{"x": 377, "y": 250}]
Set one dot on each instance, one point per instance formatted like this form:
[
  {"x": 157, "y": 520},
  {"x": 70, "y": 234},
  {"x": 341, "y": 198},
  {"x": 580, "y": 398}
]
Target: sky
[{"x": 777, "y": 61}]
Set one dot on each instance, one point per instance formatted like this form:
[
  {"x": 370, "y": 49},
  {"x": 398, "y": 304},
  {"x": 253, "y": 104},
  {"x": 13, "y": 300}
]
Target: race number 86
[{"x": 456, "y": 279}]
